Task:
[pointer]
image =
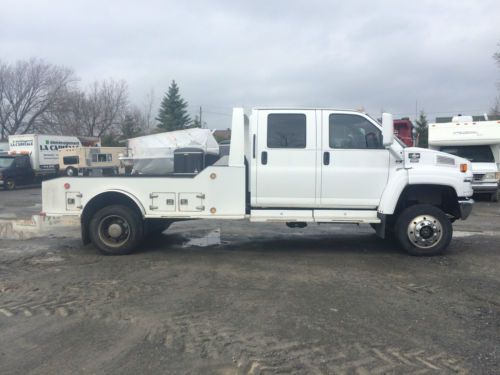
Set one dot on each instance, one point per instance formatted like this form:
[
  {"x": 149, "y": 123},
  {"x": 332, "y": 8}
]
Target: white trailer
[
  {"x": 295, "y": 166},
  {"x": 477, "y": 141},
  {"x": 42, "y": 149}
]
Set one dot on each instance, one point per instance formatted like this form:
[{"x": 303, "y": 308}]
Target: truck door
[
  {"x": 24, "y": 172},
  {"x": 286, "y": 153},
  {"x": 354, "y": 163}
]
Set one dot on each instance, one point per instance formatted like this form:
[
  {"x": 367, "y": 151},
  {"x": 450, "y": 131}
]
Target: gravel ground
[{"x": 214, "y": 297}]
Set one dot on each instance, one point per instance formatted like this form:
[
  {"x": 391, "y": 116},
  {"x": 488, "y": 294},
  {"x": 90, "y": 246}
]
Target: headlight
[{"x": 492, "y": 176}]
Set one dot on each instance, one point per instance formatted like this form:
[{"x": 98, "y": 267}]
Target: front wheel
[
  {"x": 116, "y": 230},
  {"x": 494, "y": 197},
  {"x": 423, "y": 229},
  {"x": 71, "y": 172},
  {"x": 10, "y": 184}
]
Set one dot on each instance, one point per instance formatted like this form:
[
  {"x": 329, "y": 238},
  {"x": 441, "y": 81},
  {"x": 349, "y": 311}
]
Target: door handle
[
  {"x": 326, "y": 158},
  {"x": 263, "y": 157}
]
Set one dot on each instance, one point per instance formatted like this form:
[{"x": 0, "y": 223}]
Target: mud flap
[
  {"x": 380, "y": 228},
  {"x": 85, "y": 233}
]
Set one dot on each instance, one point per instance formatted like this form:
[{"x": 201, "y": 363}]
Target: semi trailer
[{"x": 293, "y": 166}]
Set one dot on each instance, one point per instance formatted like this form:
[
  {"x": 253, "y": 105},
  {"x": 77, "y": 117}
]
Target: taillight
[{"x": 463, "y": 168}]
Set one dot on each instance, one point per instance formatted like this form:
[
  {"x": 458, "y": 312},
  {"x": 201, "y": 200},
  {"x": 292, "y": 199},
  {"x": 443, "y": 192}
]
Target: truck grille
[{"x": 478, "y": 176}]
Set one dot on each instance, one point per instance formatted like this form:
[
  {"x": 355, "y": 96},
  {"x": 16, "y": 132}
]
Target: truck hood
[{"x": 416, "y": 157}]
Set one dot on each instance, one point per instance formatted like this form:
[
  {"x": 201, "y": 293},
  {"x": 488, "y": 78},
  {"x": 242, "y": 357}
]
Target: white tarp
[{"x": 154, "y": 154}]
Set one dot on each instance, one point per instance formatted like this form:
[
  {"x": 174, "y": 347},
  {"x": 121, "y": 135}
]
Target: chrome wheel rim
[
  {"x": 425, "y": 231},
  {"x": 11, "y": 184},
  {"x": 113, "y": 231},
  {"x": 70, "y": 172}
]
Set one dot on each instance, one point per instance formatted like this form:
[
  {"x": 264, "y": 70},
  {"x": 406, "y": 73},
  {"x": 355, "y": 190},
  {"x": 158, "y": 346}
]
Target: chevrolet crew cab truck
[{"x": 294, "y": 166}]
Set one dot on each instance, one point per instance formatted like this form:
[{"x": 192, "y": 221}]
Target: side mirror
[{"x": 387, "y": 129}]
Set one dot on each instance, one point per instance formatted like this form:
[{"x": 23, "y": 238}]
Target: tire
[
  {"x": 116, "y": 230},
  {"x": 423, "y": 229},
  {"x": 71, "y": 172},
  {"x": 10, "y": 184}
]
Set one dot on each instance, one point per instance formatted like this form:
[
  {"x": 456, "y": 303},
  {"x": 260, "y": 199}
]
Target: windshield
[
  {"x": 477, "y": 154},
  {"x": 6, "y": 162}
]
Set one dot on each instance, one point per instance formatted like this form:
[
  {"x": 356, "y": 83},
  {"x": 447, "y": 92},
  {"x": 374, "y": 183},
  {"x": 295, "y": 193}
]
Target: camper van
[
  {"x": 476, "y": 139},
  {"x": 84, "y": 160}
]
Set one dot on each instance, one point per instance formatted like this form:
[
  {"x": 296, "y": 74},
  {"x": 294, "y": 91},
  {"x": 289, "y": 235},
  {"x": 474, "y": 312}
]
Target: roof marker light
[{"x": 67, "y": 186}]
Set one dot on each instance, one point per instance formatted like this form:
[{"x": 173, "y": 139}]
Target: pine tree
[
  {"x": 173, "y": 111},
  {"x": 130, "y": 128},
  {"x": 422, "y": 130}
]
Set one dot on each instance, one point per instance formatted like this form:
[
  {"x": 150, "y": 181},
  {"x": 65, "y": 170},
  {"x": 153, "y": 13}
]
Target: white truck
[
  {"x": 31, "y": 158},
  {"x": 295, "y": 166},
  {"x": 476, "y": 140}
]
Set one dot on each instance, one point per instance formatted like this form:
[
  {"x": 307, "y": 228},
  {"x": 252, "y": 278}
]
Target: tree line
[{"x": 40, "y": 97}]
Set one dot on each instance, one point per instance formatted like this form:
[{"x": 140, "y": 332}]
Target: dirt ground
[{"x": 213, "y": 297}]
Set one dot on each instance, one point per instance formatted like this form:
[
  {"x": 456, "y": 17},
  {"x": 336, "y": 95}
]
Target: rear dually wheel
[{"x": 116, "y": 230}]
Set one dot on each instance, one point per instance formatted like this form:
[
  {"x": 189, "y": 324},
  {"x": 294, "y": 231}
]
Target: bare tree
[
  {"x": 147, "y": 115},
  {"x": 495, "y": 108},
  {"x": 103, "y": 107},
  {"x": 28, "y": 90},
  {"x": 95, "y": 112}
]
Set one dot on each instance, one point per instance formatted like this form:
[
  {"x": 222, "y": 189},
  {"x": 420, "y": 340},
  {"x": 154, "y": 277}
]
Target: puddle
[
  {"x": 37, "y": 226},
  {"x": 460, "y": 233},
  {"x": 211, "y": 239}
]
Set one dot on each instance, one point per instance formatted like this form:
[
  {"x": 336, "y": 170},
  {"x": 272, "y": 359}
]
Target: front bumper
[
  {"x": 486, "y": 187},
  {"x": 465, "y": 208}
]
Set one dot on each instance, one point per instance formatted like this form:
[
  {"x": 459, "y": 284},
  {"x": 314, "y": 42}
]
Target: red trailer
[{"x": 403, "y": 130}]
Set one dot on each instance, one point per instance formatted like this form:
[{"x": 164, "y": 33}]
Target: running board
[{"x": 319, "y": 216}]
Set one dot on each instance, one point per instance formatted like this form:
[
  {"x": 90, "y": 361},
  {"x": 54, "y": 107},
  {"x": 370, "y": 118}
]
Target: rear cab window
[{"x": 286, "y": 130}]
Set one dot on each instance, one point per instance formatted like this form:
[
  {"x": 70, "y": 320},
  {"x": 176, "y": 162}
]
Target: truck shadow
[{"x": 364, "y": 243}]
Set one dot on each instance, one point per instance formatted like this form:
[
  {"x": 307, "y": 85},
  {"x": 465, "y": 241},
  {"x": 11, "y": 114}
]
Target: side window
[
  {"x": 101, "y": 158},
  {"x": 286, "y": 130},
  {"x": 353, "y": 132},
  {"x": 68, "y": 160}
]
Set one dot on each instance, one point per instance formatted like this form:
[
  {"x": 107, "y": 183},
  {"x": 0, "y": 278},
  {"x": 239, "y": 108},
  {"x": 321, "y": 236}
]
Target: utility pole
[
  {"x": 201, "y": 120},
  {"x": 416, "y": 109}
]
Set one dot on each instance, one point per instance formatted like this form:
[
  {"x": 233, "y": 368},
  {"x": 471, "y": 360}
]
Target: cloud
[{"x": 380, "y": 55}]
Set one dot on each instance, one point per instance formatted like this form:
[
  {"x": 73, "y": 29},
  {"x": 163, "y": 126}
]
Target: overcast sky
[{"x": 343, "y": 54}]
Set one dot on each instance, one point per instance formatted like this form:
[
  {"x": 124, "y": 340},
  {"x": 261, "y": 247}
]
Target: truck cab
[
  {"x": 15, "y": 170},
  {"x": 297, "y": 166}
]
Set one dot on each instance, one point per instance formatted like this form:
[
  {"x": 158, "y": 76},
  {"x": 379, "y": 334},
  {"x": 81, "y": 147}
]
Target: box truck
[
  {"x": 31, "y": 158},
  {"x": 294, "y": 166}
]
